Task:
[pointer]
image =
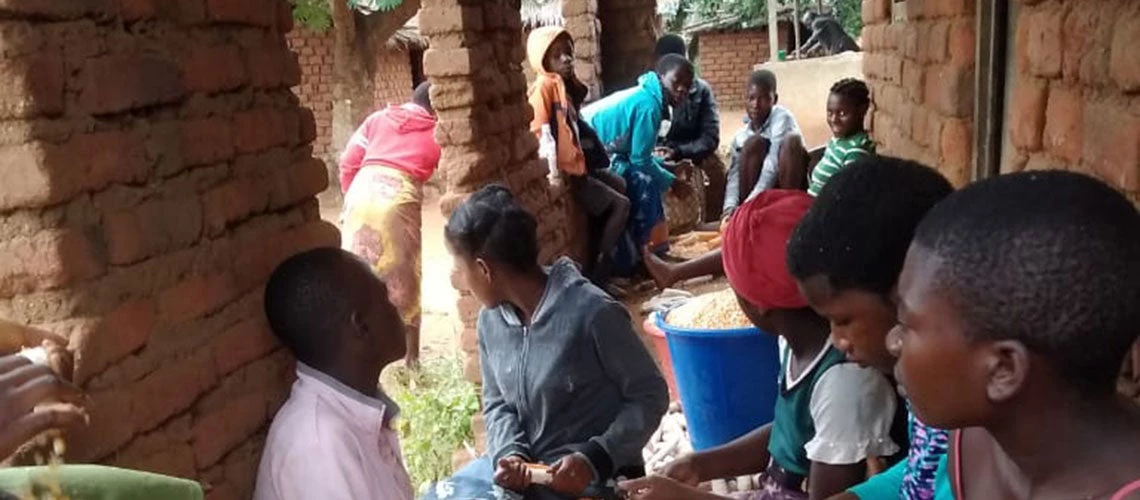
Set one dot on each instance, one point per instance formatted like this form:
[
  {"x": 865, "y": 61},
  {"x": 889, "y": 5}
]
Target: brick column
[
  {"x": 921, "y": 74},
  {"x": 583, "y": 24},
  {"x": 478, "y": 90},
  {"x": 156, "y": 167}
]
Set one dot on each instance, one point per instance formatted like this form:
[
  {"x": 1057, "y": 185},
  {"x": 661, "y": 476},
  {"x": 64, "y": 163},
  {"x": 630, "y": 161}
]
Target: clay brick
[
  {"x": 1041, "y": 51},
  {"x": 937, "y": 39},
  {"x": 875, "y": 11},
  {"x": 950, "y": 90},
  {"x": 911, "y": 39},
  {"x": 1063, "y": 124},
  {"x": 916, "y": 9},
  {"x": 122, "y": 332},
  {"x": 251, "y": 12},
  {"x": 175, "y": 460},
  {"x": 957, "y": 143},
  {"x": 258, "y": 130},
  {"x": 213, "y": 69},
  {"x": 111, "y": 426},
  {"x": 894, "y": 70},
  {"x": 61, "y": 9},
  {"x": 195, "y": 297},
  {"x": 446, "y": 19},
  {"x": 949, "y": 8},
  {"x": 1125, "y": 62},
  {"x": 920, "y": 126},
  {"x": 136, "y": 10},
  {"x": 1084, "y": 34},
  {"x": 117, "y": 83},
  {"x": 271, "y": 67},
  {"x": 155, "y": 227},
  {"x": 1112, "y": 144},
  {"x": 172, "y": 389},
  {"x": 454, "y": 62},
  {"x": 34, "y": 86},
  {"x": 48, "y": 259},
  {"x": 1027, "y": 115},
  {"x": 913, "y": 80},
  {"x": 207, "y": 140},
  {"x": 108, "y": 157},
  {"x": 242, "y": 343},
  {"x": 962, "y": 43},
  {"x": 218, "y": 432}
]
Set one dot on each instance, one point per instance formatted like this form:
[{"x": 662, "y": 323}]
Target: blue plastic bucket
[{"x": 728, "y": 380}]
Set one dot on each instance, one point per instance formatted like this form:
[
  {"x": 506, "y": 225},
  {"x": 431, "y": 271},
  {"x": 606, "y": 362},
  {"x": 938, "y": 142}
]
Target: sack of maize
[{"x": 712, "y": 311}]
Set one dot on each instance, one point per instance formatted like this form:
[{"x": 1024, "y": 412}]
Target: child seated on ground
[
  {"x": 1026, "y": 287},
  {"x": 847, "y": 106},
  {"x": 334, "y": 437},
  {"x": 830, "y": 415}
]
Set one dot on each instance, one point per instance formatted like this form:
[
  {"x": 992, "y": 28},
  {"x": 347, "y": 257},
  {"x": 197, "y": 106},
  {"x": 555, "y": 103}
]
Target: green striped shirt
[{"x": 840, "y": 153}]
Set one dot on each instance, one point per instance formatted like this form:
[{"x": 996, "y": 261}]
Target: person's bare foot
[{"x": 659, "y": 270}]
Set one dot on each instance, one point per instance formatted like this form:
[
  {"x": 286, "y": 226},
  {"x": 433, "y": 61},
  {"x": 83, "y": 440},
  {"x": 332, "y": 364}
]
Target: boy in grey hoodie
[{"x": 566, "y": 380}]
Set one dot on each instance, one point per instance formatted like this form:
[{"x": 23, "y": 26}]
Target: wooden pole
[
  {"x": 796, "y": 25},
  {"x": 773, "y": 31}
]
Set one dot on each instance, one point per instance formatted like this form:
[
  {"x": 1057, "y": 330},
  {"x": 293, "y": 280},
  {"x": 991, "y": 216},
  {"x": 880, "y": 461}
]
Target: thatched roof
[{"x": 408, "y": 36}]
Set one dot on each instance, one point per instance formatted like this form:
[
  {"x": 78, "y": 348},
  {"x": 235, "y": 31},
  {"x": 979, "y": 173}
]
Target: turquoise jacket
[{"x": 627, "y": 122}]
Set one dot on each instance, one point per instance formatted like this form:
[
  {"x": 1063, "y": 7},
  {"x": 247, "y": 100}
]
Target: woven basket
[{"x": 684, "y": 215}]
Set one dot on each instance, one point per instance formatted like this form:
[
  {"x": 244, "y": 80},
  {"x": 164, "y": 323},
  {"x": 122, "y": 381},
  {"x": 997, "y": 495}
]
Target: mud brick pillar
[
  {"x": 479, "y": 91},
  {"x": 583, "y": 24},
  {"x": 154, "y": 168}
]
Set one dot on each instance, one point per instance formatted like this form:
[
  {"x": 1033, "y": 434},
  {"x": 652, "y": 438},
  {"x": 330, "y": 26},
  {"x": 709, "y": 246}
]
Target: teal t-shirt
[{"x": 97, "y": 482}]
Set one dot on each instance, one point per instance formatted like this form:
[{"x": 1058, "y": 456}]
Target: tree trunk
[{"x": 358, "y": 40}]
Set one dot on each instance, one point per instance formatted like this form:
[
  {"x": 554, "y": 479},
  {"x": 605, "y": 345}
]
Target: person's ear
[
  {"x": 1006, "y": 369},
  {"x": 484, "y": 269},
  {"x": 775, "y": 98}
]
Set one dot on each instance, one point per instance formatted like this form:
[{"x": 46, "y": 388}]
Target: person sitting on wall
[
  {"x": 334, "y": 436},
  {"x": 566, "y": 380},
  {"x": 827, "y": 36},
  {"x": 383, "y": 170},
  {"x": 627, "y": 123},
  {"x": 830, "y": 415},
  {"x": 694, "y": 132},
  {"x": 556, "y": 96}
]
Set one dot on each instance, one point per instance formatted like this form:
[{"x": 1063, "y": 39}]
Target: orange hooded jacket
[{"x": 551, "y": 103}]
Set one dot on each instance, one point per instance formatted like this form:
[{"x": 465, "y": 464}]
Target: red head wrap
[{"x": 754, "y": 249}]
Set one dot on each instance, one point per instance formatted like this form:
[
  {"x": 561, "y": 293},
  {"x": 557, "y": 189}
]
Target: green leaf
[{"x": 314, "y": 15}]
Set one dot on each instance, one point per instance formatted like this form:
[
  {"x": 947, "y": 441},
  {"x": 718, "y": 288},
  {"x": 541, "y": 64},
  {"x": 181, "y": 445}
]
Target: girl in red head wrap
[{"x": 830, "y": 417}]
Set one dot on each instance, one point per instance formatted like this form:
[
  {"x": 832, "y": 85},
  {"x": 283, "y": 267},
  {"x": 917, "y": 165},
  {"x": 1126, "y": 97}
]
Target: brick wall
[
  {"x": 479, "y": 92},
  {"x": 393, "y": 77},
  {"x": 583, "y": 24},
  {"x": 156, "y": 168},
  {"x": 921, "y": 74},
  {"x": 728, "y": 57},
  {"x": 1076, "y": 93},
  {"x": 315, "y": 55}
]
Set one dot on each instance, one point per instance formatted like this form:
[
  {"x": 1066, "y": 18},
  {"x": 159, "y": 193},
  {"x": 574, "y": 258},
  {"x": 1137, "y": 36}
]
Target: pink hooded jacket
[{"x": 400, "y": 137}]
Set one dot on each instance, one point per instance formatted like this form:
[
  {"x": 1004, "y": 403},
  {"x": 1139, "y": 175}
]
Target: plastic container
[
  {"x": 727, "y": 380},
  {"x": 661, "y": 350}
]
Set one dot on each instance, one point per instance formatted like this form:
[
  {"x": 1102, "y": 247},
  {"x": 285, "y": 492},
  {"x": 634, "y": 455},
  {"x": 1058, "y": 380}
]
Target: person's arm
[
  {"x": 540, "y": 103},
  {"x": 782, "y": 125},
  {"x": 628, "y": 364},
  {"x": 643, "y": 139},
  {"x": 353, "y": 155},
  {"x": 745, "y": 455},
  {"x": 886, "y": 485},
  {"x": 709, "y": 138},
  {"x": 852, "y": 409},
  {"x": 505, "y": 435}
]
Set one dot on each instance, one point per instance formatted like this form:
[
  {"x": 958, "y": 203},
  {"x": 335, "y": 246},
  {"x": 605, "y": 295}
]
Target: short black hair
[
  {"x": 1048, "y": 258},
  {"x": 307, "y": 301},
  {"x": 857, "y": 232},
  {"x": 672, "y": 62},
  {"x": 763, "y": 79},
  {"x": 854, "y": 90},
  {"x": 671, "y": 44},
  {"x": 491, "y": 225},
  {"x": 421, "y": 96}
]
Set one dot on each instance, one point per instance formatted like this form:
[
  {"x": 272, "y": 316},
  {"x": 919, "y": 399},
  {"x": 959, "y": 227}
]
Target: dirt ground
[{"x": 440, "y": 325}]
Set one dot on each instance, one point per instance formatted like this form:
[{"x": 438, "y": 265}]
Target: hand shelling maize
[
  {"x": 694, "y": 244},
  {"x": 671, "y": 441},
  {"x": 713, "y": 311}
]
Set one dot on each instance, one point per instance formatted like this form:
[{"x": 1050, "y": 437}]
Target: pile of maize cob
[{"x": 712, "y": 311}]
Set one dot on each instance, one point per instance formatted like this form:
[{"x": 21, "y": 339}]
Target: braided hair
[{"x": 854, "y": 90}]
